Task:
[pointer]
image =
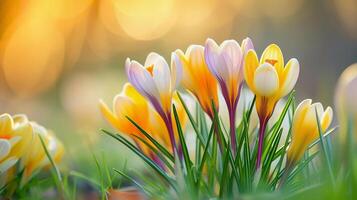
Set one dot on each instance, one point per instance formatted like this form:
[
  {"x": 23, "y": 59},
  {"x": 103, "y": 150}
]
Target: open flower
[
  {"x": 154, "y": 80},
  {"x": 305, "y": 128},
  {"x": 36, "y": 159},
  {"x": 157, "y": 83},
  {"x": 226, "y": 63},
  {"x": 129, "y": 103},
  {"x": 15, "y": 138},
  {"x": 345, "y": 99},
  {"x": 196, "y": 77},
  {"x": 270, "y": 81}
]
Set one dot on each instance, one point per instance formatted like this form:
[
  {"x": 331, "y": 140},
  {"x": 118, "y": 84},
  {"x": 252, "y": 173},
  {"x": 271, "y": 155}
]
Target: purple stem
[
  {"x": 219, "y": 139},
  {"x": 169, "y": 126},
  {"x": 158, "y": 161},
  {"x": 262, "y": 128},
  {"x": 232, "y": 119}
]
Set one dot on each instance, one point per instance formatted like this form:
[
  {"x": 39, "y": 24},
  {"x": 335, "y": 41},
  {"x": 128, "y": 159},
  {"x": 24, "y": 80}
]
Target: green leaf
[
  {"x": 193, "y": 123},
  {"x": 158, "y": 153},
  {"x": 327, "y": 158},
  {"x": 225, "y": 172},
  {"x": 186, "y": 156},
  {"x": 205, "y": 153},
  {"x": 85, "y": 177},
  {"x": 142, "y": 156},
  {"x": 142, "y": 188},
  {"x": 55, "y": 171},
  {"x": 157, "y": 144}
]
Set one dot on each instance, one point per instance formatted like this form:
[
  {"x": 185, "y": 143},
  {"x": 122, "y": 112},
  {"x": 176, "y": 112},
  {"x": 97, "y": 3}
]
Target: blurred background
[{"x": 58, "y": 57}]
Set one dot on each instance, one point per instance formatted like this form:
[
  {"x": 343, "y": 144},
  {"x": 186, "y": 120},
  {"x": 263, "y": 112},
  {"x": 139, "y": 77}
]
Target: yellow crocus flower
[
  {"x": 15, "y": 138},
  {"x": 270, "y": 81},
  {"x": 345, "y": 99},
  {"x": 196, "y": 77},
  {"x": 305, "y": 128},
  {"x": 129, "y": 103},
  {"x": 36, "y": 159}
]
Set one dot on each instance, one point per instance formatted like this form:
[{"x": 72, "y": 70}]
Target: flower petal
[
  {"x": 273, "y": 55},
  {"x": 233, "y": 56},
  {"x": 301, "y": 111},
  {"x": 5, "y": 165},
  {"x": 141, "y": 79},
  {"x": 326, "y": 118},
  {"x": 161, "y": 72},
  {"x": 5, "y": 147},
  {"x": 266, "y": 80},
  {"x": 215, "y": 62},
  {"x": 109, "y": 115},
  {"x": 6, "y": 124},
  {"x": 289, "y": 76},
  {"x": 247, "y": 45},
  {"x": 250, "y": 65},
  {"x": 176, "y": 71}
]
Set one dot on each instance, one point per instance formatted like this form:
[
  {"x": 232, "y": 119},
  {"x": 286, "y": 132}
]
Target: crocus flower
[
  {"x": 305, "y": 128},
  {"x": 15, "y": 138},
  {"x": 130, "y": 104},
  {"x": 36, "y": 158},
  {"x": 157, "y": 83},
  {"x": 345, "y": 99},
  {"x": 270, "y": 81},
  {"x": 226, "y": 63},
  {"x": 197, "y": 79}
]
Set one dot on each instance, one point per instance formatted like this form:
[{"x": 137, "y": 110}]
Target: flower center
[
  {"x": 271, "y": 61},
  {"x": 5, "y": 136},
  {"x": 150, "y": 69}
]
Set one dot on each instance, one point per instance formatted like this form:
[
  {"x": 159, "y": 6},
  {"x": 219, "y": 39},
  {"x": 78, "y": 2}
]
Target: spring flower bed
[{"x": 218, "y": 121}]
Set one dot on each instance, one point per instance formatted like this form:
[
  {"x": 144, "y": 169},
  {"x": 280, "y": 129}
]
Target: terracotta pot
[{"x": 125, "y": 194}]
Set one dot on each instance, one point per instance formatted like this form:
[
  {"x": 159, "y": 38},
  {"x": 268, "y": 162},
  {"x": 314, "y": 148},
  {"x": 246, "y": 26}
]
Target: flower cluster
[
  {"x": 21, "y": 149},
  {"x": 148, "y": 97}
]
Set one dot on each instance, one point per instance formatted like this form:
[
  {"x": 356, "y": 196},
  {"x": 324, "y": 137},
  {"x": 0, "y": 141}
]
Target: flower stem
[
  {"x": 232, "y": 119},
  {"x": 262, "y": 128},
  {"x": 169, "y": 126}
]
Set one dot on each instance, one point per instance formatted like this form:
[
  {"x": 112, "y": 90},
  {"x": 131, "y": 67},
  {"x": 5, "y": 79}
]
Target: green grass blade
[
  {"x": 324, "y": 149},
  {"x": 142, "y": 188},
  {"x": 147, "y": 160},
  {"x": 85, "y": 177},
  {"x": 157, "y": 144},
  {"x": 193, "y": 123},
  {"x": 186, "y": 156},
  {"x": 158, "y": 153},
  {"x": 205, "y": 153},
  {"x": 55, "y": 170}
]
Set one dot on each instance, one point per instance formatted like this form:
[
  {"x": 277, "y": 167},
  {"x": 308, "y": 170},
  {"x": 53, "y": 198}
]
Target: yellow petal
[
  {"x": 250, "y": 65},
  {"x": 326, "y": 118},
  {"x": 266, "y": 80},
  {"x": 20, "y": 119},
  {"x": 5, "y": 148},
  {"x": 273, "y": 55},
  {"x": 108, "y": 115},
  {"x": 6, "y": 125},
  {"x": 289, "y": 76},
  {"x": 25, "y": 132},
  {"x": 133, "y": 94},
  {"x": 197, "y": 79}
]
